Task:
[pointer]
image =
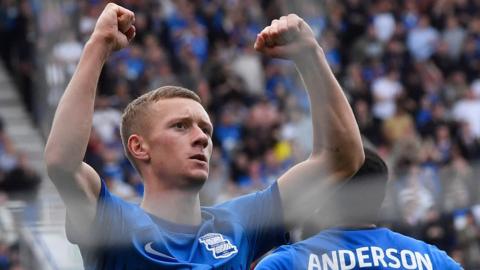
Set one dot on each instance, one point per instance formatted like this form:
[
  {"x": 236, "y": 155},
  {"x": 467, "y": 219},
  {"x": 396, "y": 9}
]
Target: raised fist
[
  {"x": 115, "y": 27},
  {"x": 289, "y": 37}
]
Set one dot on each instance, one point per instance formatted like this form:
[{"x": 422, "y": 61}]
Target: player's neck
[
  {"x": 349, "y": 221},
  {"x": 177, "y": 206},
  {"x": 356, "y": 226}
]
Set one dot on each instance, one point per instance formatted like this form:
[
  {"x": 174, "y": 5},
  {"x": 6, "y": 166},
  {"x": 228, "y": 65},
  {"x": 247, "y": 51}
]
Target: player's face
[{"x": 179, "y": 140}]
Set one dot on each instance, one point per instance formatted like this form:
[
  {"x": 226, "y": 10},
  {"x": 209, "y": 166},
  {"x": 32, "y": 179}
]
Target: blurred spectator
[
  {"x": 385, "y": 91},
  {"x": 228, "y": 130},
  {"x": 106, "y": 121},
  {"x": 437, "y": 229},
  {"x": 468, "y": 143},
  {"x": 356, "y": 20},
  {"x": 248, "y": 66},
  {"x": 367, "y": 47},
  {"x": 456, "y": 86},
  {"x": 410, "y": 14},
  {"x": 399, "y": 126},
  {"x": 355, "y": 85},
  {"x": 469, "y": 237},
  {"x": 422, "y": 40},
  {"x": 454, "y": 36},
  {"x": 4, "y": 256},
  {"x": 8, "y": 156},
  {"x": 415, "y": 199},
  {"x": 68, "y": 53},
  {"x": 467, "y": 110},
  {"x": 383, "y": 20},
  {"x": 457, "y": 182},
  {"x": 369, "y": 125},
  {"x": 475, "y": 86},
  {"x": 443, "y": 143},
  {"x": 17, "y": 49},
  {"x": 469, "y": 59},
  {"x": 298, "y": 130},
  {"x": 15, "y": 174}
]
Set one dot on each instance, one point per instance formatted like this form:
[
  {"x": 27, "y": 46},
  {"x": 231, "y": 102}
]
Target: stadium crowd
[
  {"x": 409, "y": 68},
  {"x": 17, "y": 180}
]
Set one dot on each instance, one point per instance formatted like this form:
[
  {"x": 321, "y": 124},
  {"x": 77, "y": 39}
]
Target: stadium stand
[
  {"x": 31, "y": 234},
  {"x": 410, "y": 69}
]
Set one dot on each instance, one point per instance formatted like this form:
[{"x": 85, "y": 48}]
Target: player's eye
[
  {"x": 180, "y": 125},
  {"x": 207, "y": 131}
]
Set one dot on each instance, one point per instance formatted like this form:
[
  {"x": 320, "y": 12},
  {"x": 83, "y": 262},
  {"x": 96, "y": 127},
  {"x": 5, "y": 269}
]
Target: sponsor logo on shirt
[
  {"x": 149, "y": 249},
  {"x": 220, "y": 247}
]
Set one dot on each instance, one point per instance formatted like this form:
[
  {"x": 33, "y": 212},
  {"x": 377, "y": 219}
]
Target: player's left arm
[{"x": 337, "y": 147}]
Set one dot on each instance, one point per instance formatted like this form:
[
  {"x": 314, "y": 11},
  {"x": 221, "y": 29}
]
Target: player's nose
[{"x": 200, "y": 137}]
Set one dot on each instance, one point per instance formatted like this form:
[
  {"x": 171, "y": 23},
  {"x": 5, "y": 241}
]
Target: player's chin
[
  {"x": 199, "y": 171},
  {"x": 199, "y": 175}
]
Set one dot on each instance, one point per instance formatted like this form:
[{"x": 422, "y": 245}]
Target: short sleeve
[
  {"x": 108, "y": 222},
  {"x": 261, "y": 215},
  {"x": 279, "y": 260}
]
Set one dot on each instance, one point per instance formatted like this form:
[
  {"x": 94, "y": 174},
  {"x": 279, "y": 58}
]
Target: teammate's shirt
[
  {"x": 231, "y": 235},
  {"x": 344, "y": 249}
]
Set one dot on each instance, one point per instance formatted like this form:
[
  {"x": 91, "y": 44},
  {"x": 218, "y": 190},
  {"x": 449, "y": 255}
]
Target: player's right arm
[
  {"x": 337, "y": 146},
  {"x": 78, "y": 184}
]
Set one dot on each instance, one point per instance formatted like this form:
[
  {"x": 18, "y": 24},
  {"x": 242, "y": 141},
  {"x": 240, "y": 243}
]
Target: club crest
[{"x": 221, "y": 248}]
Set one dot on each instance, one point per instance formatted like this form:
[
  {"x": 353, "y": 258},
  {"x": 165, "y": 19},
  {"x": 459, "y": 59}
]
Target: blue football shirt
[
  {"x": 231, "y": 235},
  {"x": 344, "y": 249}
]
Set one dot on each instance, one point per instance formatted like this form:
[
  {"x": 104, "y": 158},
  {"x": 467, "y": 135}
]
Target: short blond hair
[{"x": 137, "y": 110}]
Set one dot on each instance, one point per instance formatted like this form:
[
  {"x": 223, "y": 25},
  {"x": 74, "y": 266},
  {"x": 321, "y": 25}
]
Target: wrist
[
  {"x": 309, "y": 56},
  {"x": 99, "y": 47}
]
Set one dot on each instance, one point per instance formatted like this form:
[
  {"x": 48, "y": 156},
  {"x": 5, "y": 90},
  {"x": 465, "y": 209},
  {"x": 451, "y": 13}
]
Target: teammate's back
[
  {"x": 343, "y": 248},
  {"x": 353, "y": 241}
]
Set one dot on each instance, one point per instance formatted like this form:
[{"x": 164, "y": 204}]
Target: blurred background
[{"x": 411, "y": 71}]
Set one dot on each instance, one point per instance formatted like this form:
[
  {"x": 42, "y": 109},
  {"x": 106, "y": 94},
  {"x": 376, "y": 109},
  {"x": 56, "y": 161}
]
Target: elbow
[
  {"x": 355, "y": 161},
  {"x": 343, "y": 162},
  {"x": 56, "y": 164},
  {"x": 348, "y": 167},
  {"x": 351, "y": 157},
  {"x": 53, "y": 165},
  {"x": 52, "y": 160}
]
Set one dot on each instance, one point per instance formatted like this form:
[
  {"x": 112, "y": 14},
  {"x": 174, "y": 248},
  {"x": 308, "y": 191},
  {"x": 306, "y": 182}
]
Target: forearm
[
  {"x": 68, "y": 139},
  {"x": 336, "y": 132}
]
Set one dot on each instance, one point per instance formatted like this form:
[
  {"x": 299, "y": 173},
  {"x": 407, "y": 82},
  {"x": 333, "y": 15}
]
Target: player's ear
[{"x": 138, "y": 148}]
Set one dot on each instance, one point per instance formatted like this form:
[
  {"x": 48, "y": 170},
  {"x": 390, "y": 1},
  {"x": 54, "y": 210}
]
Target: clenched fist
[
  {"x": 289, "y": 37},
  {"x": 114, "y": 27}
]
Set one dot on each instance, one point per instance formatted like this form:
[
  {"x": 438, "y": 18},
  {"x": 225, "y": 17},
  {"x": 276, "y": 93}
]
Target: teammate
[
  {"x": 167, "y": 136},
  {"x": 352, "y": 241}
]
